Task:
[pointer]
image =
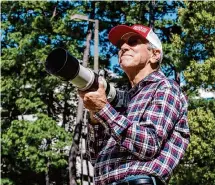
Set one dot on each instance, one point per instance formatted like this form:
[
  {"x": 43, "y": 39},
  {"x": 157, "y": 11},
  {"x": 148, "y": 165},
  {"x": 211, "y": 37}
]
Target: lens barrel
[{"x": 62, "y": 64}]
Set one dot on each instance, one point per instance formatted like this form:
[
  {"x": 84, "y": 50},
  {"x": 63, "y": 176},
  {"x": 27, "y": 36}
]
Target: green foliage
[
  {"x": 6, "y": 181},
  {"x": 194, "y": 53},
  {"x": 36, "y": 142},
  {"x": 201, "y": 75},
  {"x": 193, "y": 49},
  {"x": 31, "y": 149},
  {"x": 198, "y": 164}
]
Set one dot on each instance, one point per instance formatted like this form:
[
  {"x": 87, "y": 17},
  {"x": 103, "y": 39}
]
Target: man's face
[{"x": 133, "y": 52}]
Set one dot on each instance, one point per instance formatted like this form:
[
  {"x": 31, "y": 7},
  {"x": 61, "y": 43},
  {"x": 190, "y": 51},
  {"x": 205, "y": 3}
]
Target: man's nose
[{"x": 124, "y": 46}]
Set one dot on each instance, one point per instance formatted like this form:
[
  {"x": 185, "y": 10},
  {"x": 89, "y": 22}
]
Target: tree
[
  {"x": 194, "y": 52},
  {"x": 36, "y": 148},
  {"x": 198, "y": 164},
  {"x": 39, "y": 148}
]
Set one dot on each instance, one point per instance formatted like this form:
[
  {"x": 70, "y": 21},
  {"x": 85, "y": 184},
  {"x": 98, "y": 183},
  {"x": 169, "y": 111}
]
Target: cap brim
[{"x": 117, "y": 32}]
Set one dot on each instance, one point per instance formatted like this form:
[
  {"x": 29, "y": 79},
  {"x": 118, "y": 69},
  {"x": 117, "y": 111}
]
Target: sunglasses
[{"x": 131, "y": 41}]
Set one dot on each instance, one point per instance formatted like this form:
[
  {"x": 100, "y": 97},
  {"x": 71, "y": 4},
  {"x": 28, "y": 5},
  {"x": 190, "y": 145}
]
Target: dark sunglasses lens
[
  {"x": 120, "y": 43},
  {"x": 133, "y": 41}
]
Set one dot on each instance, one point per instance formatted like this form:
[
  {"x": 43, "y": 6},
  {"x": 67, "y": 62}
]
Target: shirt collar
[{"x": 151, "y": 78}]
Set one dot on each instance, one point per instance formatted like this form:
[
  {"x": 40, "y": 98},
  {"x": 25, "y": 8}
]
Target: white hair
[{"x": 152, "y": 46}]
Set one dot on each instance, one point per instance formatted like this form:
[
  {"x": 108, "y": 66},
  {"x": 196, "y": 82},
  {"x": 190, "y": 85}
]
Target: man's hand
[{"x": 94, "y": 101}]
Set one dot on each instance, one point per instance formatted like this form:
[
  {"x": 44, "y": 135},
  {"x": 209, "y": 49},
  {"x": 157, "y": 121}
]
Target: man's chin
[
  {"x": 126, "y": 66},
  {"x": 125, "y": 62}
]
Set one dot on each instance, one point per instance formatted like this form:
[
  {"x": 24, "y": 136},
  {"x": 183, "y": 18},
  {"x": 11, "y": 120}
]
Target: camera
[{"x": 62, "y": 64}]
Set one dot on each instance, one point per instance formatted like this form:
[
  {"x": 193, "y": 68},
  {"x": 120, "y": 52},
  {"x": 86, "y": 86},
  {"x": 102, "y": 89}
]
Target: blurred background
[{"x": 39, "y": 111}]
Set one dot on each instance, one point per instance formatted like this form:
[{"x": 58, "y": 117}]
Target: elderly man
[{"x": 143, "y": 143}]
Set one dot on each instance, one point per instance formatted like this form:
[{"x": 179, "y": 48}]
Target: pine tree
[
  {"x": 194, "y": 52},
  {"x": 34, "y": 150}
]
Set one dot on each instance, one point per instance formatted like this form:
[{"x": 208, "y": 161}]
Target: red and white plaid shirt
[{"x": 149, "y": 137}]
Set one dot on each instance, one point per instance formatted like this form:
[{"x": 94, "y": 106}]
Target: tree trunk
[
  {"x": 151, "y": 16},
  {"x": 47, "y": 173},
  {"x": 177, "y": 77}
]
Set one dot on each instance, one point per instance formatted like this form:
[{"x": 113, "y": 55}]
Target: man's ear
[{"x": 156, "y": 55}]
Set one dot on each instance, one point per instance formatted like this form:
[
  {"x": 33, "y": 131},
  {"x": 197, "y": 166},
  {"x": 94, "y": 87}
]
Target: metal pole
[
  {"x": 96, "y": 46},
  {"x": 79, "y": 120}
]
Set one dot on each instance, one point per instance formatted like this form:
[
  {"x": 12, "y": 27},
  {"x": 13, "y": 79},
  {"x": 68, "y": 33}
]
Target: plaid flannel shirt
[{"x": 149, "y": 137}]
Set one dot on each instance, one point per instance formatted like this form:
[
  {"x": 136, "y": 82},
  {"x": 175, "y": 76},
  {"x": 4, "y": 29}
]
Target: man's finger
[
  {"x": 101, "y": 83},
  {"x": 81, "y": 94}
]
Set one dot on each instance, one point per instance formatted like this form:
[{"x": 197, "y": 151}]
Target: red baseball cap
[{"x": 145, "y": 32}]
